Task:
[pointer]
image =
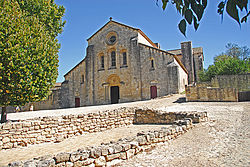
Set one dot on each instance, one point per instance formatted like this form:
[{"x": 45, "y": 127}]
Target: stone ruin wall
[
  {"x": 55, "y": 129},
  {"x": 241, "y": 82},
  {"x": 221, "y": 88},
  {"x": 195, "y": 93}
]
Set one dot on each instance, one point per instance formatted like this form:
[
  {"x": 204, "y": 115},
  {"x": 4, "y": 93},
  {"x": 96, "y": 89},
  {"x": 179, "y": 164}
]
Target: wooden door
[
  {"x": 153, "y": 92},
  {"x": 77, "y": 102}
]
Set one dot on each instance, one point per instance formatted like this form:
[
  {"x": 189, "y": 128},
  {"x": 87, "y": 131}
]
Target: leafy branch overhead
[{"x": 192, "y": 11}]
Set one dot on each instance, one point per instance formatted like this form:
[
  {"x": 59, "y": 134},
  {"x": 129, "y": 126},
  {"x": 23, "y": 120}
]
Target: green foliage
[
  {"x": 193, "y": 10},
  {"x": 28, "y": 50},
  {"x": 228, "y": 63}
]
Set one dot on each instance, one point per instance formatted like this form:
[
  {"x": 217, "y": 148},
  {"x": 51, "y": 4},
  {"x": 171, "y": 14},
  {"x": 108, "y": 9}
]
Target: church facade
[{"x": 121, "y": 65}]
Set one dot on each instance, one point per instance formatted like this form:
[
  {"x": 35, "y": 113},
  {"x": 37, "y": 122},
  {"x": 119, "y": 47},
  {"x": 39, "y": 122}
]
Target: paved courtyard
[{"x": 222, "y": 141}]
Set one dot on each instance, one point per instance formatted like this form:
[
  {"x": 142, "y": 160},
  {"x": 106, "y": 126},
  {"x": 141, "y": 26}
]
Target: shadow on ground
[{"x": 181, "y": 100}]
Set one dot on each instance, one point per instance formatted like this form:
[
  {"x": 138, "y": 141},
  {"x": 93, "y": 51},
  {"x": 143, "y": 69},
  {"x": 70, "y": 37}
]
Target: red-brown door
[
  {"x": 153, "y": 92},
  {"x": 77, "y": 102}
]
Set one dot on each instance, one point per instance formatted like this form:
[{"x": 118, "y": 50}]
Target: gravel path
[
  {"x": 222, "y": 141},
  {"x": 158, "y": 102}
]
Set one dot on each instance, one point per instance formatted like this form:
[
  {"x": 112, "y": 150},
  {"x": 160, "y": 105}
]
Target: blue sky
[{"x": 85, "y": 17}]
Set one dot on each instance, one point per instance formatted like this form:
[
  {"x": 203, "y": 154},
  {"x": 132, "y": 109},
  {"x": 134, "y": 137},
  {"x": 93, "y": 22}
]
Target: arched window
[
  {"x": 152, "y": 64},
  {"x": 113, "y": 59},
  {"x": 102, "y": 62},
  {"x": 124, "y": 57},
  {"x": 82, "y": 79}
]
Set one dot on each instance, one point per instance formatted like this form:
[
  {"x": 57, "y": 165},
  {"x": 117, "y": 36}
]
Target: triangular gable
[{"x": 124, "y": 25}]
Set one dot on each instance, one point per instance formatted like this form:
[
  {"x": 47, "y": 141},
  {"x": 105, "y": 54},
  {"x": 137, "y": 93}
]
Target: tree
[
  {"x": 233, "y": 50},
  {"x": 234, "y": 61},
  {"x": 192, "y": 11},
  {"x": 28, "y": 50}
]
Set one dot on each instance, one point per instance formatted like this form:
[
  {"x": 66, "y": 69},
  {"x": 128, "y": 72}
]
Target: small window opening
[
  {"x": 124, "y": 58},
  {"x": 82, "y": 79},
  {"x": 152, "y": 64},
  {"x": 113, "y": 59},
  {"x": 102, "y": 62}
]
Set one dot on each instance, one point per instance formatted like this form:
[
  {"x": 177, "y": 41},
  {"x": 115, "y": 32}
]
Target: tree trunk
[{"x": 3, "y": 115}]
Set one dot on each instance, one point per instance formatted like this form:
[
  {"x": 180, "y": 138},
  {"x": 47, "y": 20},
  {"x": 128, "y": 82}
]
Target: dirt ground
[{"x": 222, "y": 141}]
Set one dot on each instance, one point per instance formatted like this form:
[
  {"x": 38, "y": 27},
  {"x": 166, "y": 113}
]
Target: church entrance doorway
[
  {"x": 114, "y": 93},
  {"x": 153, "y": 92},
  {"x": 77, "y": 102}
]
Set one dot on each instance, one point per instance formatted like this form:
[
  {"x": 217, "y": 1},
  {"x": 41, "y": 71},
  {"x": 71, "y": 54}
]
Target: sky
[{"x": 84, "y": 17}]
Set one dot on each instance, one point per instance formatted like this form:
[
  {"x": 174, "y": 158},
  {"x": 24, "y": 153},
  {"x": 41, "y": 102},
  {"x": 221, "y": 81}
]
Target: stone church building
[{"x": 121, "y": 65}]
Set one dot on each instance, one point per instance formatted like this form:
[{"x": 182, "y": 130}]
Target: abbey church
[{"x": 122, "y": 65}]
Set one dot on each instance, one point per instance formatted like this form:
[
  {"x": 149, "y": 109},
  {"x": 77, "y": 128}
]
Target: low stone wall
[
  {"x": 240, "y": 81},
  {"x": 112, "y": 153},
  {"x": 149, "y": 116},
  {"x": 22, "y": 133},
  {"x": 196, "y": 93},
  {"x": 56, "y": 129}
]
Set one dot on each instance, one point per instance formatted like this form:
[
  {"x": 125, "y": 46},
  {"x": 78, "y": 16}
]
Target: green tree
[
  {"x": 28, "y": 50},
  {"x": 192, "y": 11},
  {"x": 234, "y": 61}
]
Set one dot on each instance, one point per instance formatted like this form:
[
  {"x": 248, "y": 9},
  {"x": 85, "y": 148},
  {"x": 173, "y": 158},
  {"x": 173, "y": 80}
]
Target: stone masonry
[{"x": 109, "y": 154}]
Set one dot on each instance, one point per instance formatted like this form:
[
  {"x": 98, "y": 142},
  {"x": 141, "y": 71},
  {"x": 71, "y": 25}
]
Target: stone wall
[
  {"x": 149, "y": 116},
  {"x": 110, "y": 154},
  {"x": 55, "y": 129},
  {"x": 241, "y": 82},
  {"x": 195, "y": 93}
]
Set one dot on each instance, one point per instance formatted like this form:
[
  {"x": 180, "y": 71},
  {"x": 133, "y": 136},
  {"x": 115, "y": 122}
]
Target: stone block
[
  {"x": 130, "y": 153},
  {"x": 6, "y": 140},
  {"x": 69, "y": 164},
  {"x": 7, "y": 146},
  {"x": 62, "y": 164},
  {"x": 111, "y": 150},
  {"x": 113, "y": 163},
  {"x": 88, "y": 161},
  {"x": 123, "y": 156},
  {"x": 46, "y": 163},
  {"x": 117, "y": 148},
  {"x": 15, "y": 164},
  {"x": 30, "y": 163},
  {"x": 125, "y": 146},
  {"x": 101, "y": 161},
  {"x": 84, "y": 156},
  {"x": 112, "y": 156},
  {"x": 141, "y": 140},
  {"x": 62, "y": 157},
  {"x": 104, "y": 150},
  {"x": 74, "y": 157},
  {"x": 7, "y": 126}
]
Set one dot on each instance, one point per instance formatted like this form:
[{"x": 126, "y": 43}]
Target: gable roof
[
  {"x": 175, "y": 56},
  {"x": 124, "y": 25}
]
